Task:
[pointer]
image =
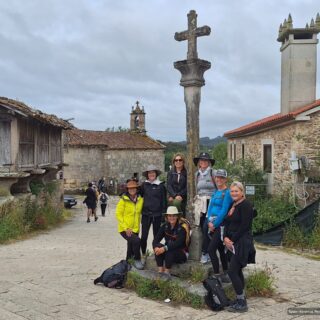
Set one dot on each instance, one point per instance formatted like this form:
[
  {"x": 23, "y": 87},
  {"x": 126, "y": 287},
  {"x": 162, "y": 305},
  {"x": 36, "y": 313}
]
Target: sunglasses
[{"x": 178, "y": 160}]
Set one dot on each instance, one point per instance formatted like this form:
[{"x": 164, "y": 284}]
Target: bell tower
[{"x": 137, "y": 119}]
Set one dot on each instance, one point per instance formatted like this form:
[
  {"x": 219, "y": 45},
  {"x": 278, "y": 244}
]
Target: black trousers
[
  {"x": 146, "y": 222},
  {"x": 205, "y": 237},
  {"x": 214, "y": 245},
  {"x": 103, "y": 208},
  {"x": 168, "y": 258},
  {"x": 133, "y": 245},
  {"x": 236, "y": 275}
]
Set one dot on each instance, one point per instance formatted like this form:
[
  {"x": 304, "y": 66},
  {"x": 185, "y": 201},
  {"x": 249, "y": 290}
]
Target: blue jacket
[{"x": 219, "y": 206}]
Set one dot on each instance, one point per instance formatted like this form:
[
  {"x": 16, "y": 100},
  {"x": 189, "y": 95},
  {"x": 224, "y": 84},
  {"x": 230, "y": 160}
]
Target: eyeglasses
[{"x": 178, "y": 160}]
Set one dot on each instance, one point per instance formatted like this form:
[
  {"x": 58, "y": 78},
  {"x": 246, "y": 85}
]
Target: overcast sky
[{"x": 92, "y": 59}]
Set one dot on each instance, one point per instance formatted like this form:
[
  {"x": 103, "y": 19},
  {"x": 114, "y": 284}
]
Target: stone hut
[
  {"x": 286, "y": 145},
  {"x": 116, "y": 156},
  {"x": 31, "y": 146}
]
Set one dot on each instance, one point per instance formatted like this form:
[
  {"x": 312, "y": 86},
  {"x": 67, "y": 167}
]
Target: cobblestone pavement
[{"x": 50, "y": 276}]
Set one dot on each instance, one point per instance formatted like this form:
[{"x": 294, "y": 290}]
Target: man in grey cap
[{"x": 155, "y": 203}]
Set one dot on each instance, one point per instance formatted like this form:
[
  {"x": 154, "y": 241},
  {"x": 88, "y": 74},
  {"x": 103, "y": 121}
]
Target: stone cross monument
[{"x": 192, "y": 80}]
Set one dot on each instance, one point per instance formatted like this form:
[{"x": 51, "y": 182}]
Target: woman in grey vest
[{"x": 205, "y": 186}]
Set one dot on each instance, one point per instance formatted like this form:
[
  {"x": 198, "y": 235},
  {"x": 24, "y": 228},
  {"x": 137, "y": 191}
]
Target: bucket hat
[
  {"x": 151, "y": 167},
  {"x": 172, "y": 210},
  {"x": 203, "y": 156}
]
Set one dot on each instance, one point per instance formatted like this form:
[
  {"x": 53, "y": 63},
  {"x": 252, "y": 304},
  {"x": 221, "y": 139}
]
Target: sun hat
[
  {"x": 172, "y": 210},
  {"x": 151, "y": 167},
  {"x": 221, "y": 173},
  {"x": 132, "y": 184},
  {"x": 203, "y": 156}
]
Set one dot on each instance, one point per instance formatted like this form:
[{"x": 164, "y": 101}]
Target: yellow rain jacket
[{"x": 128, "y": 214}]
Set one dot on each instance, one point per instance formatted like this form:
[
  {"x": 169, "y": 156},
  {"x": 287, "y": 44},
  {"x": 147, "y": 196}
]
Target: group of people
[
  {"x": 224, "y": 214},
  {"x": 94, "y": 195}
]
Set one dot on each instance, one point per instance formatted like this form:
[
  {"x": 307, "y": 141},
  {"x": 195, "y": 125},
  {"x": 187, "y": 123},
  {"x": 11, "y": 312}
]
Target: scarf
[
  {"x": 205, "y": 172},
  {"x": 231, "y": 211}
]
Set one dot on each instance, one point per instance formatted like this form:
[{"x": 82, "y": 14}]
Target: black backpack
[
  {"x": 103, "y": 198},
  {"x": 115, "y": 276},
  {"x": 215, "y": 298}
]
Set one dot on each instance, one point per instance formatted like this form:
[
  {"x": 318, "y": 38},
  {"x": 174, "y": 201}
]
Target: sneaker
[
  {"x": 138, "y": 264},
  {"x": 88, "y": 220},
  {"x": 205, "y": 258},
  {"x": 240, "y": 305},
  {"x": 95, "y": 218}
]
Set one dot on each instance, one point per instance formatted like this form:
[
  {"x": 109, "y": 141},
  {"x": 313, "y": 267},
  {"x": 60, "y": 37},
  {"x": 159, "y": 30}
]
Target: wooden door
[{"x": 5, "y": 142}]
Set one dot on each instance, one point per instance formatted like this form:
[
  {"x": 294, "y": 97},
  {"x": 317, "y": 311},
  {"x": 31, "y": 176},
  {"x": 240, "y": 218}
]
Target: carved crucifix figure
[{"x": 191, "y": 35}]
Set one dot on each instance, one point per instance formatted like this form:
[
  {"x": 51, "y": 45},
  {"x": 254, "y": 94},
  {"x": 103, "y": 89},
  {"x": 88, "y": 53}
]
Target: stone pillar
[{"x": 192, "y": 80}]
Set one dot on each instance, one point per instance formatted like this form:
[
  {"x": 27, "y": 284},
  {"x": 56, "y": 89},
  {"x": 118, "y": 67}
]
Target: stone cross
[
  {"x": 192, "y": 71},
  {"x": 191, "y": 35}
]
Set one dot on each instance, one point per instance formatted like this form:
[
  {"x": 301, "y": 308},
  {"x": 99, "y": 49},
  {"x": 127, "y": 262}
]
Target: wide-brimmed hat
[
  {"x": 221, "y": 173},
  {"x": 132, "y": 184},
  {"x": 151, "y": 167},
  {"x": 203, "y": 156},
  {"x": 172, "y": 210}
]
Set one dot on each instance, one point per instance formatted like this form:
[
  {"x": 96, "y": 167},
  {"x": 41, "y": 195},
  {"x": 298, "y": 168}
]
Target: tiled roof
[
  {"x": 21, "y": 108},
  {"x": 271, "y": 121},
  {"x": 111, "y": 140}
]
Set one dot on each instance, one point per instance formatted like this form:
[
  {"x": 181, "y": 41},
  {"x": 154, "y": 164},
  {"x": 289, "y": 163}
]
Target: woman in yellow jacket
[{"x": 128, "y": 214}]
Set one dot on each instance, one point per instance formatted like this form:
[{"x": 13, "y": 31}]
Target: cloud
[{"x": 92, "y": 60}]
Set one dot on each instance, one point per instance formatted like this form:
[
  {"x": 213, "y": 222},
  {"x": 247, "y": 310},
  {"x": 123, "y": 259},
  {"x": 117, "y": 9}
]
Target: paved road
[{"x": 50, "y": 277}]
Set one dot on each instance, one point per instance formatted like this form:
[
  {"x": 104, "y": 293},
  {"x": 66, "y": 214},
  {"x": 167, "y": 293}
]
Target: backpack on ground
[
  {"x": 115, "y": 276},
  {"x": 103, "y": 198},
  {"x": 215, "y": 298}
]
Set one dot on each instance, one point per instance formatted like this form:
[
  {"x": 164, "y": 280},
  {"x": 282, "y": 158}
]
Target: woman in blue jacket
[{"x": 219, "y": 206}]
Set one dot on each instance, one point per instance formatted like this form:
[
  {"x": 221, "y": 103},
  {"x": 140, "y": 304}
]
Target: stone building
[
  {"x": 115, "y": 155},
  {"x": 286, "y": 145},
  {"x": 31, "y": 147}
]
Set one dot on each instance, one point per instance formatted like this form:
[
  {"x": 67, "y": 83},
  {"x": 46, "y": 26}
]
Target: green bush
[
  {"x": 271, "y": 211},
  {"x": 294, "y": 237}
]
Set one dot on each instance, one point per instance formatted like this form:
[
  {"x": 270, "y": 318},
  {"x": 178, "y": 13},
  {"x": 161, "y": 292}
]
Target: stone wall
[
  {"x": 90, "y": 164},
  {"x": 302, "y": 137},
  {"x": 84, "y": 164}
]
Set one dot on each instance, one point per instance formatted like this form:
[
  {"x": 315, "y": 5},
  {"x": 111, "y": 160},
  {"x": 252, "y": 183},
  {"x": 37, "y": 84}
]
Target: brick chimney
[{"x": 298, "y": 64}]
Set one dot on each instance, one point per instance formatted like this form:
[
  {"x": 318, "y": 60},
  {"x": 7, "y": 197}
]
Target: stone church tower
[{"x": 137, "y": 119}]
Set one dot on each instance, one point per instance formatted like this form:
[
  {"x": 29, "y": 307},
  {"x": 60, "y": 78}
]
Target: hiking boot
[
  {"x": 95, "y": 218},
  {"x": 205, "y": 258},
  {"x": 224, "y": 278},
  {"x": 240, "y": 305},
  {"x": 138, "y": 264},
  {"x": 88, "y": 220},
  {"x": 165, "y": 276}
]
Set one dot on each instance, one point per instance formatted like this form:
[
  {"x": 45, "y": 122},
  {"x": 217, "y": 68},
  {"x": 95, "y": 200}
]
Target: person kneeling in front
[{"x": 174, "y": 250}]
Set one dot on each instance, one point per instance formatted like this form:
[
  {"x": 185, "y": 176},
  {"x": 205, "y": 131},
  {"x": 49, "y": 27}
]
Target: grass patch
[
  {"x": 260, "y": 283},
  {"x": 159, "y": 290},
  {"x": 20, "y": 217},
  {"x": 296, "y": 237}
]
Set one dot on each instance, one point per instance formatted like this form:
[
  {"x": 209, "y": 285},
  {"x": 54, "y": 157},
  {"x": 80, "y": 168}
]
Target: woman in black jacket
[
  {"x": 174, "y": 250},
  {"x": 239, "y": 242},
  {"x": 177, "y": 183},
  {"x": 154, "y": 204}
]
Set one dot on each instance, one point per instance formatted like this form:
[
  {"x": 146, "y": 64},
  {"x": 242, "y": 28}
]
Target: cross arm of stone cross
[{"x": 191, "y": 35}]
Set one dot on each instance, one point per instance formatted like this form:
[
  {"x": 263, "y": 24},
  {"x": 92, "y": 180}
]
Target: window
[
  {"x": 234, "y": 152},
  {"x": 267, "y": 158},
  {"x": 242, "y": 150},
  {"x": 231, "y": 156}
]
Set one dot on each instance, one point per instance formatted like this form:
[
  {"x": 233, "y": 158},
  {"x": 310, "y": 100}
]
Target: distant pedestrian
[
  {"x": 103, "y": 198},
  {"x": 177, "y": 183},
  {"x": 154, "y": 204},
  {"x": 91, "y": 202},
  {"x": 128, "y": 213},
  {"x": 102, "y": 185}
]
